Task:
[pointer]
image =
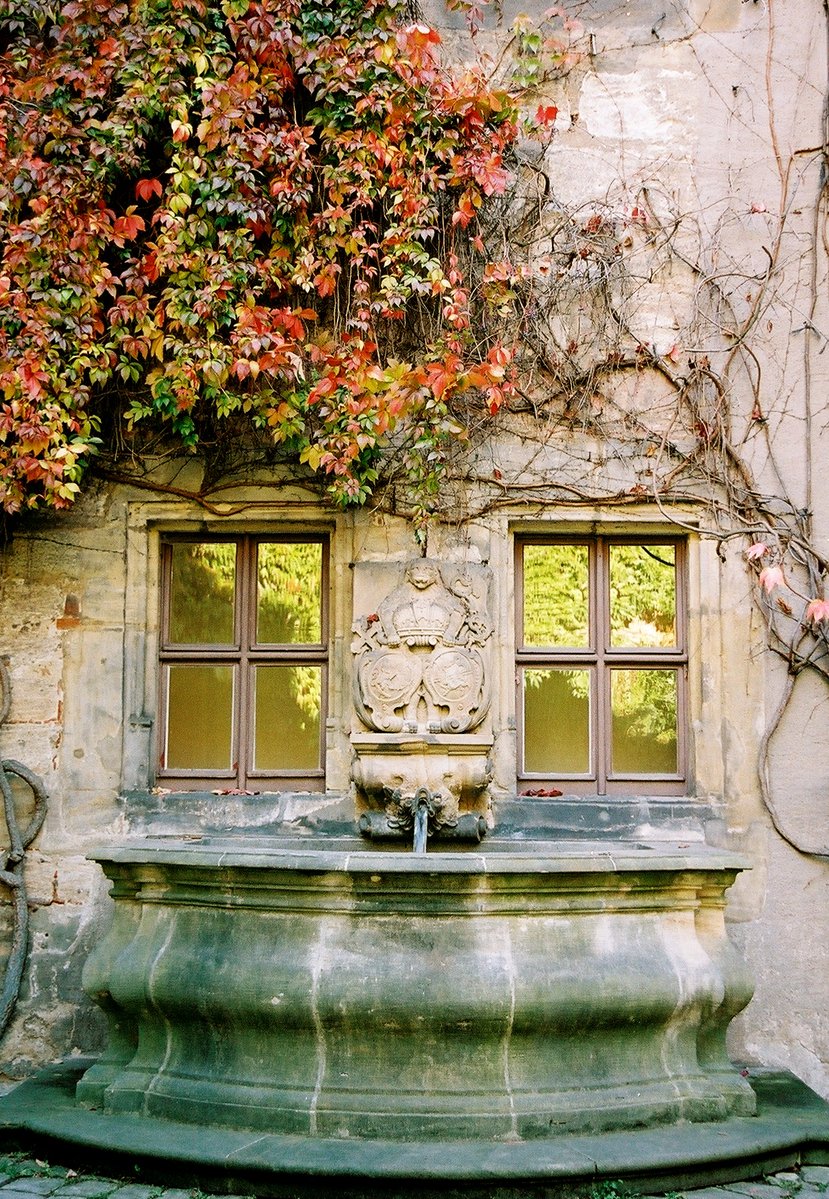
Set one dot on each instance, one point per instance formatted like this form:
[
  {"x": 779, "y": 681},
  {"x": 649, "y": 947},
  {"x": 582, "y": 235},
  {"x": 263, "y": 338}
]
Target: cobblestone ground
[
  {"x": 24, "y": 1177},
  {"x": 809, "y": 1182}
]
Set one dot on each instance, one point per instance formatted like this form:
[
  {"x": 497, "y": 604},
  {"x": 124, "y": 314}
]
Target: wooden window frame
[
  {"x": 244, "y": 655},
  {"x": 600, "y": 658}
]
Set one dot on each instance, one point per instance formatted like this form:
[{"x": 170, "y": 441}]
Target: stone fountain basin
[{"x": 514, "y": 991}]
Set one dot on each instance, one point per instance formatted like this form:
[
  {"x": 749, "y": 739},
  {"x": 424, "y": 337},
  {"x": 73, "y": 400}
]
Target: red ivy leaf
[{"x": 145, "y": 189}]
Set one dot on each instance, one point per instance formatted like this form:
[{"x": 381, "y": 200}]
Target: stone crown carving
[{"x": 421, "y": 657}]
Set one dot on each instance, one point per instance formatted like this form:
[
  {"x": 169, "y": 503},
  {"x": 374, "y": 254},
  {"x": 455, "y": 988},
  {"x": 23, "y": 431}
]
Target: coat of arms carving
[{"x": 421, "y": 657}]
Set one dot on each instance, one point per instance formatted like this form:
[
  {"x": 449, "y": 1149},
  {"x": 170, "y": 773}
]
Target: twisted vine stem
[{"x": 11, "y": 859}]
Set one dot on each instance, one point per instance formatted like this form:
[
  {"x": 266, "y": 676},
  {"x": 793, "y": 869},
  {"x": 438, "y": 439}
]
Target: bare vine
[
  {"x": 12, "y": 859},
  {"x": 603, "y": 414}
]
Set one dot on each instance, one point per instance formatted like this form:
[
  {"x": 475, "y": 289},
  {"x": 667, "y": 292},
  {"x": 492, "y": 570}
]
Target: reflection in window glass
[
  {"x": 289, "y": 593},
  {"x": 642, "y": 595},
  {"x": 644, "y": 721},
  {"x": 556, "y": 609},
  {"x": 201, "y": 593},
  {"x": 557, "y": 721},
  {"x": 287, "y": 718},
  {"x": 199, "y": 717}
]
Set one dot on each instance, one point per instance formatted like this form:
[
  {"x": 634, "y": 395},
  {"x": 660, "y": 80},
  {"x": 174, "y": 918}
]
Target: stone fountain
[
  {"x": 339, "y": 992},
  {"x": 499, "y": 1005}
]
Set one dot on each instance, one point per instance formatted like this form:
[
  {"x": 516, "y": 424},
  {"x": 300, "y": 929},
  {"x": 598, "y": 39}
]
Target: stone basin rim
[{"x": 350, "y": 856}]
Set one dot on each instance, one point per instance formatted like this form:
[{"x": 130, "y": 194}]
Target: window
[
  {"x": 601, "y": 664},
  {"x": 243, "y": 663}
]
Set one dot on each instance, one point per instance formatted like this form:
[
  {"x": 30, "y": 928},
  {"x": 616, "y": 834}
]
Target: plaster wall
[{"x": 714, "y": 109}]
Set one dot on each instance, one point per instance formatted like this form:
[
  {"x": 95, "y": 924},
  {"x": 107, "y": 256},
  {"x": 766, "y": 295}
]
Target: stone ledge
[
  {"x": 791, "y": 1126},
  {"x": 352, "y": 855},
  {"x": 516, "y": 818}
]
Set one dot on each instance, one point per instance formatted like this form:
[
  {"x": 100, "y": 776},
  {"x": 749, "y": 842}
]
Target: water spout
[
  {"x": 391, "y": 825},
  {"x": 421, "y": 810}
]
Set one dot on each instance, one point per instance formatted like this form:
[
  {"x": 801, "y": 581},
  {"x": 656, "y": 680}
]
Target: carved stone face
[{"x": 422, "y": 574}]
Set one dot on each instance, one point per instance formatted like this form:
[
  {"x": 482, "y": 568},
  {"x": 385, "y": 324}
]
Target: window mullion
[
  {"x": 166, "y": 592},
  {"x": 682, "y": 723},
  {"x": 245, "y": 634},
  {"x": 518, "y": 562},
  {"x": 600, "y": 578}
]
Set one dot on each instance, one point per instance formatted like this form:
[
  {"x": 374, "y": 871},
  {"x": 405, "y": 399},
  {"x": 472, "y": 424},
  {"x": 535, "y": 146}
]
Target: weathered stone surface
[
  {"x": 790, "y": 1122},
  {"x": 816, "y": 1176},
  {"x": 337, "y": 992},
  {"x": 37, "y": 1186},
  {"x": 86, "y": 1188},
  {"x": 762, "y": 1190},
  {"x": 51, "y": 1004}
]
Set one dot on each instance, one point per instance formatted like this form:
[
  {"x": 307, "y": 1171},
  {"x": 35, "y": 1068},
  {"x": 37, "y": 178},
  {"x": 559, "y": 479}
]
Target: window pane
[
  {"x": 557, "y": 721},
  {"x": 199, "y": 718},
  {"x": 201, "y": 593},
  {"x": 556, "y": 606},
  {"x": 643, "y": 595},
  {"x": 287, "y": 717},
  {"x": 289, "y": 593},
  {"x": 644, "y": 715}
]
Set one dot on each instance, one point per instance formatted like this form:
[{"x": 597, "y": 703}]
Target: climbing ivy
[{"x": 240, "y": 219}]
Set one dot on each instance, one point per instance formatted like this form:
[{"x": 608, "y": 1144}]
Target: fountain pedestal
[{"x": 340, "y": 992}]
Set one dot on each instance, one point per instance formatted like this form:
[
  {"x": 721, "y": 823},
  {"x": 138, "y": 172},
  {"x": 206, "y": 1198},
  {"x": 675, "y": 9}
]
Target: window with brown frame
[
  {"x": 244, "y": 634},
  {"x": 601, "y": 664}
]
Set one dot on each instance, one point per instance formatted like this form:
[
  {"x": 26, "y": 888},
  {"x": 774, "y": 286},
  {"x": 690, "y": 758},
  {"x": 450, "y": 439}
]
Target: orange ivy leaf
[{"x": 125, "y": 228}]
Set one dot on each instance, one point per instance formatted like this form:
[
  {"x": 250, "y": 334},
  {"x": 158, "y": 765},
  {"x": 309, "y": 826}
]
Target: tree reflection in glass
[
  {"x": 642, "y": 595},
  {"x": 289, "y": 593},
  {"x": 287, "y": 717},
  {"x": 644, "y": 721},
  {"x": 202, "y": 584},
  {"x": 556, "y": 605},
  {"x": 599, "y": 653}
]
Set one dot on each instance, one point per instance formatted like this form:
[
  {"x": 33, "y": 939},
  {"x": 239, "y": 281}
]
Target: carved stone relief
[{"x": 421, "y": 657}]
